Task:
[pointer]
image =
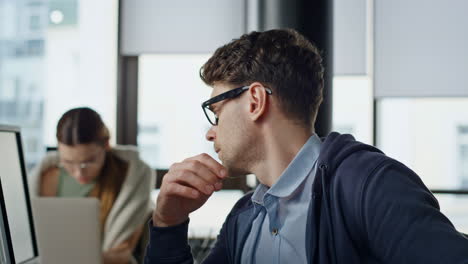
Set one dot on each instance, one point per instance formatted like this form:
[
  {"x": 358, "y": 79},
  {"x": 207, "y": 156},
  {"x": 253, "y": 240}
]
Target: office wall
[
  {"x": 179, "y": 26},
  {"x": 420, "y": 48},
  {"x": 350, "y": 37}
]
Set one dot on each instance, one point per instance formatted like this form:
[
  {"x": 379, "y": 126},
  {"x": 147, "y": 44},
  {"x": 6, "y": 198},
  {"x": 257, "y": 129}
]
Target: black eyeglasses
[{"x": 212, "y": 117}]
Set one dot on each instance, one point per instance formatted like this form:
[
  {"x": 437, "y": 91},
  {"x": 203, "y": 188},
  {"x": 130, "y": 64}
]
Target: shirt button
[{"x": 274, "y": 231}]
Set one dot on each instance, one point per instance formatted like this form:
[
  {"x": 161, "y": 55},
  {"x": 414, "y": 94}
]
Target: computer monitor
[{"x": 18, "y": 239}]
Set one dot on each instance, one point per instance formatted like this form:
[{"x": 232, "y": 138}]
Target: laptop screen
[{"x": 17, "y": 205}]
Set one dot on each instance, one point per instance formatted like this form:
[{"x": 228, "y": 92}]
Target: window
[
  {"x": 352, "y": 107},
  {"x": 34, "y": 22},
  {"x": 35, "y": 47},
  {"x": 463, "y": 154},
  {"x": 171, "y": 122},
  {"x": 64, "y": 12},
  {"x": 455, "y": 207},
  {"x": 46, "y": 70},
  {"x": 428, "y": 135}
]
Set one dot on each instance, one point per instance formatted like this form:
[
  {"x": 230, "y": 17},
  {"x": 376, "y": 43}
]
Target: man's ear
[{"x": 258, "y": 101}]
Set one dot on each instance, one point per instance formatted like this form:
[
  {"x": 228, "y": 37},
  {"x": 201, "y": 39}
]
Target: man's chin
[{"x": 235, "y": 172}]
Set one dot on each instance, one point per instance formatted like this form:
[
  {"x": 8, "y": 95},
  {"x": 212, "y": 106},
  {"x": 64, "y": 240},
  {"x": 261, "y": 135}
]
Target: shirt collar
[{"x": 299, "y": 168}]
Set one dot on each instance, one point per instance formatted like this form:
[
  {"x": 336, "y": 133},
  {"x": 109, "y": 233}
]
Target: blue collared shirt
[{"x": 278, "y": 233}]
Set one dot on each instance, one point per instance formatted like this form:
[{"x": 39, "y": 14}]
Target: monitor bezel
[
  {"x": 17, "y": 131},
  {"x": 7, "y": 246}
]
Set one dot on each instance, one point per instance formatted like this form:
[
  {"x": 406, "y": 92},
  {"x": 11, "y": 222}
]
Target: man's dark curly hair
[{"x": 281, "y": 59}]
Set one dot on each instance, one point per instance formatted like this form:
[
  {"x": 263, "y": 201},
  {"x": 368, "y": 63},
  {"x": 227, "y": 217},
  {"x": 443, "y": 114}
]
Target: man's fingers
[
  {"x": 183, "y": 173},
  {"x": 216, "y": 168},
  {"x": 181, "y": 190},
  {"x": 200, "y": 169},
  {"x": 202, "y": 174},
  {"x": 192, "y": 179}
]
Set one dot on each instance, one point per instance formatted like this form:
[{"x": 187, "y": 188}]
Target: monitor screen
[{"x": 17, "y": 205}]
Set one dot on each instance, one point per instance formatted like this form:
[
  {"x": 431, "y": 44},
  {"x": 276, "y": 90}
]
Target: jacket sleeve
[
  {"x": 170, "y": 245},
  {"x": 403, "y": 223}
]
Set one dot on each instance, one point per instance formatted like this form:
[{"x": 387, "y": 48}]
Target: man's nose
[{"x": 211, "y": 134}]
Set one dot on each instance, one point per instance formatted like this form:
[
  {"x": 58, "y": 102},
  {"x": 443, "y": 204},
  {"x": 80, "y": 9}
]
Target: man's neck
[{"x": 281, "y": 145}]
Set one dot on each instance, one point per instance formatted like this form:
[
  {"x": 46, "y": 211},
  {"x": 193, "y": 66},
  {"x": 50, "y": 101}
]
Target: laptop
[{"x": 68, "y": 230}]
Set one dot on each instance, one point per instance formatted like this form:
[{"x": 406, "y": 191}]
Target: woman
[{"x": 86, "y": 166}]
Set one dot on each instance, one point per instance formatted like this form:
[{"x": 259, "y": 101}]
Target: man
[{"x": 319, "y": 201}]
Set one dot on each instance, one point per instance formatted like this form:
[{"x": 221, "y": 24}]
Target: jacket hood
[{"x": 337, "y": 147}]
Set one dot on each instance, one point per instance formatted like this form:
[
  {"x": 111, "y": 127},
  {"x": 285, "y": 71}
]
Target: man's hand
[{"x": 186, "y": 187}]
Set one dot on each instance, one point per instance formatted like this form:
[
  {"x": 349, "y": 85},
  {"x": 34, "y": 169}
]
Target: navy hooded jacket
[{"x": 365, "y": 208}]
